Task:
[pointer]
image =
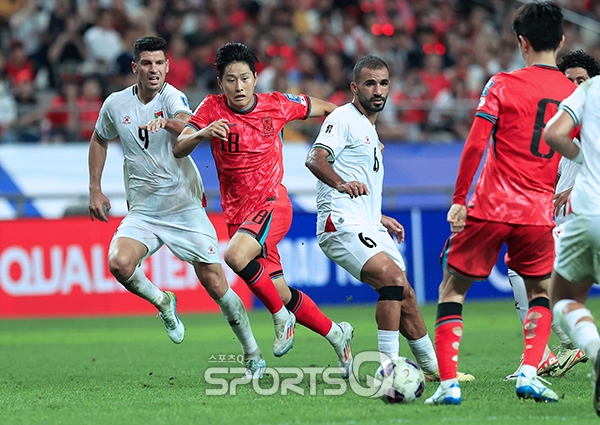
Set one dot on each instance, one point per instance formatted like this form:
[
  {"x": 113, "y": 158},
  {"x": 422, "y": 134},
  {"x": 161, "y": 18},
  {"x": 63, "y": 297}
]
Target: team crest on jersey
[
  {"x": 185, "y": 101},
  {"x": 267, "y": 125},
  {"x": 211, "y": 250},
  {"x": 295, "y": 98},
  {"x": 367, "y": 140},
  {"x": 158, "y": 114},
  {"x": 126, "y": 119}
]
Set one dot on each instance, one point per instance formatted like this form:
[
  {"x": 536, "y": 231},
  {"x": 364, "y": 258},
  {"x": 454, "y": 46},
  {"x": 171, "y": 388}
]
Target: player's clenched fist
[
  {"x": 457, "y": 217},
  {"x": 218, "y": 129},
  {"x": 353, "y": 188}
]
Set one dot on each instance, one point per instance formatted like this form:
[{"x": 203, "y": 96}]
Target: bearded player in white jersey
[
  {"x": 165, "y": 197},
  {"x": 346, "y": 158}
]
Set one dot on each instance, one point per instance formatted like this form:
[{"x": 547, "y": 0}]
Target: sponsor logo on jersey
[
  {"x": 367, "y": 140},
  {"x": 126, "y": 119},
  {"x": 185, "y": 101},
  {"x": 158, "y": 114},
  {"x": 267, "y": 125},
  {"x": 295, "y": 98}
]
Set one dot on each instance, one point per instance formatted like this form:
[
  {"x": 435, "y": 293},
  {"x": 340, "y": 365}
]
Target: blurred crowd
[{"x": 59, "y": 59}]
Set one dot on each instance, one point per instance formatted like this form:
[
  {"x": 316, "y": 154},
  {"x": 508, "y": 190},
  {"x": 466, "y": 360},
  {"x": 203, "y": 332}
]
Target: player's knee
[
  {"x": 235, "y": 258},
  {"x": 391, "y": 293},
  {"x": 121, "y": 267}
]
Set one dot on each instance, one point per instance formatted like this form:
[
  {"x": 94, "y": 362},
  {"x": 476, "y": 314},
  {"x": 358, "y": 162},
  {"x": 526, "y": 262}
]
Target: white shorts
[
  {"x": 578, "y": 249},
  {"x": 189, "y": 235},
  {"x": 352, "y": 246}
]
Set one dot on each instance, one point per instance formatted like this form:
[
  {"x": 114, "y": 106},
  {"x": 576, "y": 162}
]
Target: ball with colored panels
[{"x": 402, "y": 380}]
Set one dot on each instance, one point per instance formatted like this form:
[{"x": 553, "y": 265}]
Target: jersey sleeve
[
  {"x": 176, "y": 102},
  {"x": 201, "y": 117},
  {"x": 333, "y": 136},
  {"x": 105, "y": 127},
  {"x": 489, "y": 101},
  {"x": 574, "y": 104},
  {"x": 294, "y": 106}
]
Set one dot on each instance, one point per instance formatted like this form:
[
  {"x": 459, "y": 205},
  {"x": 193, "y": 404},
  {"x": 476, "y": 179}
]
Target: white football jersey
[
  {"x": 354, "y": 154},
  {"x": 584, "y": 107},
  {"x": 567, "y": 170},
  {"x": 156, "y": 182}
]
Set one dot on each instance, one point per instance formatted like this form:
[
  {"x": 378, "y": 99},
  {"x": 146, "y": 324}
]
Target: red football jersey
[
  {"x": 250, "y": 163},
  {"x": 517, "y": 182}
]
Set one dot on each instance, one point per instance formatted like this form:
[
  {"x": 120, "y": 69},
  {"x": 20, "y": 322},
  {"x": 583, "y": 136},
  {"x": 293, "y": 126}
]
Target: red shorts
[
  {"x": 472, "y": 253},
  {"x": 268, "y": 225}
]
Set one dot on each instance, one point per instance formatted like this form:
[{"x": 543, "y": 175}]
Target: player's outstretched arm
[
  {"x": 393, "y": 227},
  {"x": 172, "y": 125},
  {"x": 558, "y": 136},
  {"x": 190, "y": 138},
  {"x": 317, "y": 163},
  {"x": 99, "y": 204},
  {"x": 321, "y": 108}
]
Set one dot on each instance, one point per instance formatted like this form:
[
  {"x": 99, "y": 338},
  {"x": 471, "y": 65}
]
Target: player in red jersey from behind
[
  {"x": 512, "y": 203},
  {"x": 244, "y": 129}
]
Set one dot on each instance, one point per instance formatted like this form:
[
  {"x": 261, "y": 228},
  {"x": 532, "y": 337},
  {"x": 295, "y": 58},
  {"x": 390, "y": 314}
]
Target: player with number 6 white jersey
[{"x": 354, "y": 154}]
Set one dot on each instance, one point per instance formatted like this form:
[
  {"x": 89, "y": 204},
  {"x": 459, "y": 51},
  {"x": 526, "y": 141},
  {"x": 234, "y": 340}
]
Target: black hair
[
  {"x": 579, "y": 59},
  {"x": 148, "y": 44},
  {"x": 369, "y": 62},
  {"x": 540, "y": 23},
  {"x": 235, "y": 52}
]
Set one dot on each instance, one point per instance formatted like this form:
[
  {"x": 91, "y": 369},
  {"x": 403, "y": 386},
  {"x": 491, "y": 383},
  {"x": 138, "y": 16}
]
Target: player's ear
[
  {"x": 353, "y": 87},
  {"x": 255, "y": 78},
  {"x": 167, "y": 66},
  {"x": 134, "y": 67},
  {"x": 219, "y": 83},
  {"x": 562, "y": 41}
]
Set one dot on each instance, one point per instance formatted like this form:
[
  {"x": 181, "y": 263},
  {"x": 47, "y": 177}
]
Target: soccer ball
[{"x": 402, "y": 380}]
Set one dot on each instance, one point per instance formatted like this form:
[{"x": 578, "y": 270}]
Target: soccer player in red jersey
[
  {"x": 512, "y": 203},
  {"x": 244, "y": 129}
]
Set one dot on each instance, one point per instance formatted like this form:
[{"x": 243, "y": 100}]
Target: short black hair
[
  {"x": 148, "y": 44},
  {"x": 579, "y": 59},
  {"x": 369, "y": 62},
  {"x": 235, "y": 52},
  {"x": 540, "y": 23}
]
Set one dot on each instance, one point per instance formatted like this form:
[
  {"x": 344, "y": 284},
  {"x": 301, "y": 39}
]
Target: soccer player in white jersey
[
  {"x": 351, "y": 230},
  {"x": 578, "y": 66},
  {"x": 577, "y": 263},
  {"x": 165, "y": 196}
]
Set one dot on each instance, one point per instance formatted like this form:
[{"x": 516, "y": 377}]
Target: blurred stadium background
[{"x": 60, "y": 58}]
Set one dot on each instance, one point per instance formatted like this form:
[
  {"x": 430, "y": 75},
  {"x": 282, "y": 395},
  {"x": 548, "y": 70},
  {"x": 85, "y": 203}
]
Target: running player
[
  {"x": 165, "y": 196},
  {"x": 578, "y": 67},
  {"x": 512, "y": 203},
  {"x": 577, "y": 264},
  {"x": 244, "y": 129},
  {"x": 351, "y": 230}
]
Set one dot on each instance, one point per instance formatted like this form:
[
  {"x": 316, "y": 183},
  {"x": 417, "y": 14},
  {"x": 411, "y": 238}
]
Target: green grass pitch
[{"x": 125, "y": 370}]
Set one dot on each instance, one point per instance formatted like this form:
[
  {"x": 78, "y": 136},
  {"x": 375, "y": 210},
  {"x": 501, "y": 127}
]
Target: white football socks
[
  {"x": 388, "y": 343},
  {"x": 234, "y": 311},
  {"x": 141, "y": 286},
  {"x": 424, "y": 353}
]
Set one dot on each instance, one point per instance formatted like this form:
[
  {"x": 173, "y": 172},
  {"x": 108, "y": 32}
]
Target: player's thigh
[
  {"x": 133, "y": 241},
  {"x": 472, "y": 253},
  {"x": 353, "y": 246},
  {"x": 190, "y": 236},
  {"x": 531, "y": 251},
  {"x": 267, "y": 225},
  {"x": 578, "y": 249}
]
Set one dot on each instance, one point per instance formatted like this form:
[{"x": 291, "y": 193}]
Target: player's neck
[
  {"x": 145, "y": 96},
  {"x": 541, "y": 58},
  {"x": 371, "y": 116}
]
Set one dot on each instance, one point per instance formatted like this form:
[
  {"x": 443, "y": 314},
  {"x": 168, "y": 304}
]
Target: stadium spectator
[
  {"x": 19, "y": 68},
  {"x": 63, "y": 112},
  {"x": 103, "y": 43},
  {"x": 31, "y": 126},
  {"x": 181, "y": 71},
  {"x": 8, "y": 106},
  {"x": 88, "y": 104}
]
